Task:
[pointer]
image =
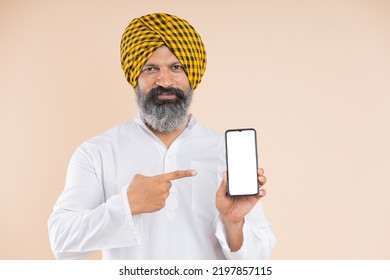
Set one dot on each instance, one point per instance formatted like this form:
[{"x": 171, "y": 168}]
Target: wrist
[
  {"x": 233, "y": 227},
  {"x": 233, "y": 223},
  {"x": 234, "y": 233}
]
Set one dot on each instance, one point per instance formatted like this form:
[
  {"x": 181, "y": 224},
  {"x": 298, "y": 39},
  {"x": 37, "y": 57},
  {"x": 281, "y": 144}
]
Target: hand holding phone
[{"x": 241, "y": 161}]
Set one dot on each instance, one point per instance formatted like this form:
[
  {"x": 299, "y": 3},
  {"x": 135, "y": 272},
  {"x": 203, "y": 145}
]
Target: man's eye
[
  {"x": 177, "y": 67},
  {"x": 149, "y": 69}
]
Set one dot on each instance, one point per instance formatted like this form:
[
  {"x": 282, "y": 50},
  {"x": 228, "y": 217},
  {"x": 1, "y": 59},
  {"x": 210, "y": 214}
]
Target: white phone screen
[{"x": 241, "y": 161}]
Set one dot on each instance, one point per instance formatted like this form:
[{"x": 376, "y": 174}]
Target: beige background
[{"x": 313, "y": 77}]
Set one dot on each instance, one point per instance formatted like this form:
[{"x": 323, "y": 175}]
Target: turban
[{"x": 145, "y": 34}]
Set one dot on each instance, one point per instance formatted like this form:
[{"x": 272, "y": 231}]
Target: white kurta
[{"x": 93, "y": 212}]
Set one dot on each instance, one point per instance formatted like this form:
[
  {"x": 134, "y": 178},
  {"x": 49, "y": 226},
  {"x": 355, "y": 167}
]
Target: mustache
[{"x": 159, "y": 90}]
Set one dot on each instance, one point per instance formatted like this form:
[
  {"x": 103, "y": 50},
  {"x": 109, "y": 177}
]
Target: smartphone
[{"x": 241, "y": 161}]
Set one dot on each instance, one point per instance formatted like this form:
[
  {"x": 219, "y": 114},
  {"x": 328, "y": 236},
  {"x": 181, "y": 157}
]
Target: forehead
[{"x": 162, "y": 55}]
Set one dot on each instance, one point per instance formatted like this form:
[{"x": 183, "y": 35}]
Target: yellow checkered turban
[{"x": 145, "y": 34}]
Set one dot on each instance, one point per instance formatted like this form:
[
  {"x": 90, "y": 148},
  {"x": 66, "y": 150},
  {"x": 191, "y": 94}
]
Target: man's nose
[{"x": 165, "y": 79}]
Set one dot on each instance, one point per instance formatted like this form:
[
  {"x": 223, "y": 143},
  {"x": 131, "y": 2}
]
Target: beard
[{"x": 164, "y": 115}]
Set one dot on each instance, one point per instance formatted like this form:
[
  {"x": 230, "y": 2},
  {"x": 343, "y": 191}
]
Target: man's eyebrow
[{"x": 150, "y": 64}]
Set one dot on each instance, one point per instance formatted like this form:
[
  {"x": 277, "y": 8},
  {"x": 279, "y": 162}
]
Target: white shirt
[{"x": 93, "y": 212}]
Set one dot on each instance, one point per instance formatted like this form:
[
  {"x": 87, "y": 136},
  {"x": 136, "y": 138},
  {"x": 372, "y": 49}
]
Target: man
[{"x": 155, "y": 187}]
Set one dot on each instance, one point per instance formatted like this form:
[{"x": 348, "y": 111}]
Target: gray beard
[{"x": 164, "y": 116}]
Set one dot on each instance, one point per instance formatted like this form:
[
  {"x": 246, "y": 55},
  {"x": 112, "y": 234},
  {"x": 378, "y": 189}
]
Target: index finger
[{"x": 178, "y": 174}]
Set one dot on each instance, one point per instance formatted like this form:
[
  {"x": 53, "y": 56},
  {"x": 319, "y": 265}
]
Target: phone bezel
[{"x": 227, "y": 161}]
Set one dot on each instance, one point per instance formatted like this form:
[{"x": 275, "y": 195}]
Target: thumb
[{"x": 223, "y": 187}]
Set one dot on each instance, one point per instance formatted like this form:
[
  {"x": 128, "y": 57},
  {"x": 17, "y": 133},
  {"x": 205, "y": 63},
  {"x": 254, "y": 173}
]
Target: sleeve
[
  {"x": 83, "y": 221},
  {"x": 258, "y": 237}
]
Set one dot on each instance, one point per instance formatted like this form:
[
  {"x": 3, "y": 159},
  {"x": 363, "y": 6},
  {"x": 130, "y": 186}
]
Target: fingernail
[
  {"x": 193, "y": 172},
  {"x": 261, "y": 192}
]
